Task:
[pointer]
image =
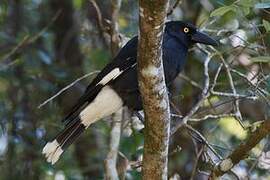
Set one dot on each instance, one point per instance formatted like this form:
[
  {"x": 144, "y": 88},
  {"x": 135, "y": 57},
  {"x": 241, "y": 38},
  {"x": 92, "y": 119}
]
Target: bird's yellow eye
[{"x": 186, "y": 30}]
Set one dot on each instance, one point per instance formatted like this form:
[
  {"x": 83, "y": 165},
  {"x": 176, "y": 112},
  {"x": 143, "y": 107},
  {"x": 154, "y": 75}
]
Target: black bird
[{"x": 117, "y": 84}]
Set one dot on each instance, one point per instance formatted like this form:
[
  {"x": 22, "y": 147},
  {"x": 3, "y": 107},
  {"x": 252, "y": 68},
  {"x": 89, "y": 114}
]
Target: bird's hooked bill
[{"x": 200, "y": 37}]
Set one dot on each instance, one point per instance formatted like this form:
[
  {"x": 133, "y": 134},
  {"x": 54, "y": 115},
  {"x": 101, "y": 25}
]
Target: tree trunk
[
  {"x": 153, "y": 89},
  {"x": 115, "y": 136}
]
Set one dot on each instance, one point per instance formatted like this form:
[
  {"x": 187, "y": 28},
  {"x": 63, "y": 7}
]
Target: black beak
[{"x": 203, "y": 38}]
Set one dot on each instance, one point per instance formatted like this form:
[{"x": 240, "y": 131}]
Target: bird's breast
[{"x": 173, "y": 62}]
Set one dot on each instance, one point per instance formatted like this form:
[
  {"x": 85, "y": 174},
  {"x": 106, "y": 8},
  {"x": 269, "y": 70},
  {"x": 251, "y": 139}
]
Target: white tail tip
[{"x": 52, "y": 151}]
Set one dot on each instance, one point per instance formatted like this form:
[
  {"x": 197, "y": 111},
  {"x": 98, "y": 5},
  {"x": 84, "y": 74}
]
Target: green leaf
[
  {"x": 262, "y": 5},
  {"x": 266, "y": 25},
  {"x": 246, "y": 3},
  {"x": 245, "y": 6},
  {"x": 246, "y": 10},
  {"x": 222, "y": 10},
  {"x": 261, "y": 59}
]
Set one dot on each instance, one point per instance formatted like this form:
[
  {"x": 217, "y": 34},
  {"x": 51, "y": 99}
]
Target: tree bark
[
  {"x": 153, "y": 88},
  {"x": 241, "y": 152}
]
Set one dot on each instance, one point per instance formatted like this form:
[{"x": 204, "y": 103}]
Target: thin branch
[
  {"x": 236, "y": 102},
  {"x": 173, "y": 7},
  {"x": 209, "y": 116},
  {"x": 212, "y": 116},
  {"x": 262, "y": 92},
  {"x": 27, "y": 40},
  {"x": 189, "y": 80},
  {"x": 103, "y": 30},
  {"x": 203, "y": 140},
  {"x": 237, "y": 96},
  {"x": 195, "y": 165},
  {"x": 99, "y": 16},
  {"x": 67, "y": 87},
  {"x": 204, "y": 95},
  {"x": 16, "y": 48},
  {"x": 197, "y": 135}
]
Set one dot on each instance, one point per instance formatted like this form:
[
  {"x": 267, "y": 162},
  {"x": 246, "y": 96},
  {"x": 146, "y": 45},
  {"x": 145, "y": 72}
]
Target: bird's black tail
[
  {"x": 73, "y": 127},
  {"x": 55, "y": 148}
]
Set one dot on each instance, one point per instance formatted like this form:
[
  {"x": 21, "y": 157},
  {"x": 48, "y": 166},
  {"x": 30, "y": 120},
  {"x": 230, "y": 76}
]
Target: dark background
[{"x": 45, "y": 45}]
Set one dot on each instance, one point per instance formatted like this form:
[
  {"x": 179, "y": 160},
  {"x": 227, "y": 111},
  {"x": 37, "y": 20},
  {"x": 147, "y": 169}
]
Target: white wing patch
[
  {"x": 106, "y": 103},
  {"x": 112, "y": 75}
]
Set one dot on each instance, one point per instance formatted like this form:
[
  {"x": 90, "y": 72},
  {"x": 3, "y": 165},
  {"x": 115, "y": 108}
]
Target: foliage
[{"x": 42, "y": 51}]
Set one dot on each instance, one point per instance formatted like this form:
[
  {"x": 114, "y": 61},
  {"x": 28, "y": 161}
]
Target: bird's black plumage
[{"x": 120, "y": 79}]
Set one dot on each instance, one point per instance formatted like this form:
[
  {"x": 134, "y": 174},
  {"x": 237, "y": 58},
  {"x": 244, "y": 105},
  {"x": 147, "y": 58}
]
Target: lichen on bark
[{"x": 153, "y": 88}]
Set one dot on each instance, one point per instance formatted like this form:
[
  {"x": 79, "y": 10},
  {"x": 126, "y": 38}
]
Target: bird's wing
[{"x": 125, "y": 60}]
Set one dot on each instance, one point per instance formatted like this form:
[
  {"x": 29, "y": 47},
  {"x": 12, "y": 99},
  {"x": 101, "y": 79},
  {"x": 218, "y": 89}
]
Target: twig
[
  {"x": 216, "y": 77},
  {"x": 204, "y": 95},
  {"x": 195, "y": 165},
  {"x": 211, "y": 116},
  {"x": 16, "y": 48},
  {"x": 173, "y": 7},
  {"x": 237, "y": 96},
  {"x": 67, "y": 87},
  {"x": 27, "y": 40},
  {"x": 262, "y": 91},
  {"x": 104, "y": 31},
  {"x": 189, "y": 80},
  {"x": 236, "y": 102},
  {"x": 202, "y": 139},
  {"x": 99, "y": 16}
]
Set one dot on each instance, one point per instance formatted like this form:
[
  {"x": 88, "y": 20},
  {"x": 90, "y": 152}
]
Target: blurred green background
[{"x": 45, "y": 45}]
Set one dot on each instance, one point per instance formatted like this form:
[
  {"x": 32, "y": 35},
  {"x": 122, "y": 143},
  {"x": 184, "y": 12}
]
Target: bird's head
[{"x": 188, "y": 34}]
